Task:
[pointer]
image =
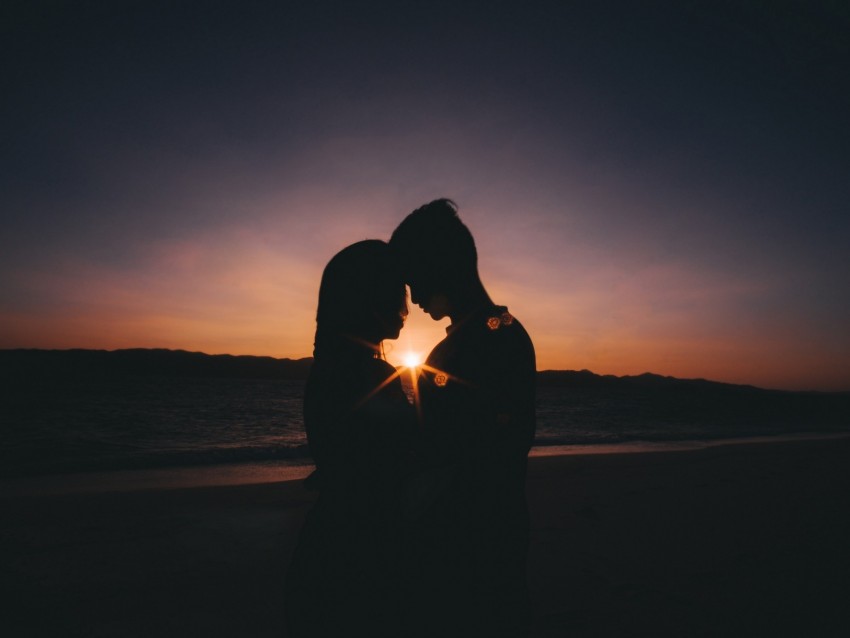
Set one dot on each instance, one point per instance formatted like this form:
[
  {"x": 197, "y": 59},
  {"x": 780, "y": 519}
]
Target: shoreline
[
  {"x": 739, "y": 539},
  {"x": 279, "y": 471}
]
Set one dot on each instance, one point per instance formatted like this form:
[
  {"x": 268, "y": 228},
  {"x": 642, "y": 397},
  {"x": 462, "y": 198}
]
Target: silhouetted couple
[{"x": 421, "y": 526}]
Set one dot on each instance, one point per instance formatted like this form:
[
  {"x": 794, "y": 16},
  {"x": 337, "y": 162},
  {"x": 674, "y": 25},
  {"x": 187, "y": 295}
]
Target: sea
[{"x": 135, "y": 423}]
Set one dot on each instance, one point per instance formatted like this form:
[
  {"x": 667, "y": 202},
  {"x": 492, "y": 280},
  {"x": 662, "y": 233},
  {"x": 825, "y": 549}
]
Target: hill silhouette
[{"x": 147, "y": 362}]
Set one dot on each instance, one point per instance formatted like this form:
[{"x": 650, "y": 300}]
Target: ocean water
[{"x": 154, "y": 422}]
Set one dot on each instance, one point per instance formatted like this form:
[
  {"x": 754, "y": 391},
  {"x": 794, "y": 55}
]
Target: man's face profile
[
  {"x": 436, "y": 305},
  {"x": 425, "y": 293}
]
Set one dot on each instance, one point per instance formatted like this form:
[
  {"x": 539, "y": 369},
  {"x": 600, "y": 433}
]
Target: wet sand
[{"x": 733, "y": 540}]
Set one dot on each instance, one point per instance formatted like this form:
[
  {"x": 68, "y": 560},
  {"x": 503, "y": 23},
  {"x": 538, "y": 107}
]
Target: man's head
[{"x": 437, "y": 256}]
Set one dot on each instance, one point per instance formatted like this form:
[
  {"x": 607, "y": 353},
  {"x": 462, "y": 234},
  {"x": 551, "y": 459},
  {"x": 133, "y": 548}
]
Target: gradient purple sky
[{"x": 653, "y": 186}]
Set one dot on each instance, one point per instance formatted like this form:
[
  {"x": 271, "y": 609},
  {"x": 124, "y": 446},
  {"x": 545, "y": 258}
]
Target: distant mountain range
[
  {"x": 180, "y": 363},
  {"x": 647, "y": 380},
  {"x": 147, "y": 362}
]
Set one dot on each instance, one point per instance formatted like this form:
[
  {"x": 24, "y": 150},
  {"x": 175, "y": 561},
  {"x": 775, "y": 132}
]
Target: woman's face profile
[
  {"x": 392, "y": 319},
  {"x": 362, "y": 296}
]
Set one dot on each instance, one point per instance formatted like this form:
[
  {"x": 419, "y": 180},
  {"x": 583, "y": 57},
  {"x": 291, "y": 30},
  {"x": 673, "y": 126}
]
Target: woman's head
[{"x": 362, "y": 298}]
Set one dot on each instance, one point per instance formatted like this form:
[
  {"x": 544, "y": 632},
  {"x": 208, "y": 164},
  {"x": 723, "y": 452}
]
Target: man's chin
[{"x": 437, "y": 307}]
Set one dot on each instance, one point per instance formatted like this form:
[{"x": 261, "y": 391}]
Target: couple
[{"x": 421, "y": 526}]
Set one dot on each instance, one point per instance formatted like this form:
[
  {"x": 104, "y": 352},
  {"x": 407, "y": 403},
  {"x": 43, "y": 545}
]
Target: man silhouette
[{"x": 476, "y": 395}]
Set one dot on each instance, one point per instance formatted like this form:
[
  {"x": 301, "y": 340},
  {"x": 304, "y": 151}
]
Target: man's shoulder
[
  {"x": 501, "y": 328},
  {"x": 497, "y": 338}
]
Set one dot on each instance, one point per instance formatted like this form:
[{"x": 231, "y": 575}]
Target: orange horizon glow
[{"x": 707, "y": 358}]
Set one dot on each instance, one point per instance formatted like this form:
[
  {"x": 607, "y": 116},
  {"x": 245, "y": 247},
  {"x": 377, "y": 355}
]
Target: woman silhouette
[{"x": 347, "y": 572}]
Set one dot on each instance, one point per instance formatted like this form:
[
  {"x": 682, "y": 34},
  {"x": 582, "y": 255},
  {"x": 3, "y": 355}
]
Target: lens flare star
[{"x": 411, "y": 359}]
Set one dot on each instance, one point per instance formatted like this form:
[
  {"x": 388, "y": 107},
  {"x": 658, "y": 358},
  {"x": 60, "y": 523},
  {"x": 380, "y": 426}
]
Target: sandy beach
[{"x": 731, "y": 540}]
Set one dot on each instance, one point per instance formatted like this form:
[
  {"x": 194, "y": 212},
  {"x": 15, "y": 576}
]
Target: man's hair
[{"x": 434, "y": 233}]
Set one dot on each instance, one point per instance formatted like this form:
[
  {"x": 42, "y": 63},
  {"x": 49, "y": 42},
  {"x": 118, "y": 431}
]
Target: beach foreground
[{"x": 733, "y": 540}]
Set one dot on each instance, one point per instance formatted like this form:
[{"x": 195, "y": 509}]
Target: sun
[{"x": 411, "y": 359}]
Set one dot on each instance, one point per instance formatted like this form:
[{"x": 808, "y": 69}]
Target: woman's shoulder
[
  {"x": 378, "y": 368},
  {"x": 380, "y": 377}
]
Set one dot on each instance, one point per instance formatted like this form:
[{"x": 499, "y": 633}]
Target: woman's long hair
[{"x": 360, "y": 289}]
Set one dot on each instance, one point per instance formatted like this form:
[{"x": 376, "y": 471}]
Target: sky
[{"x": 653, "y": 186}]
